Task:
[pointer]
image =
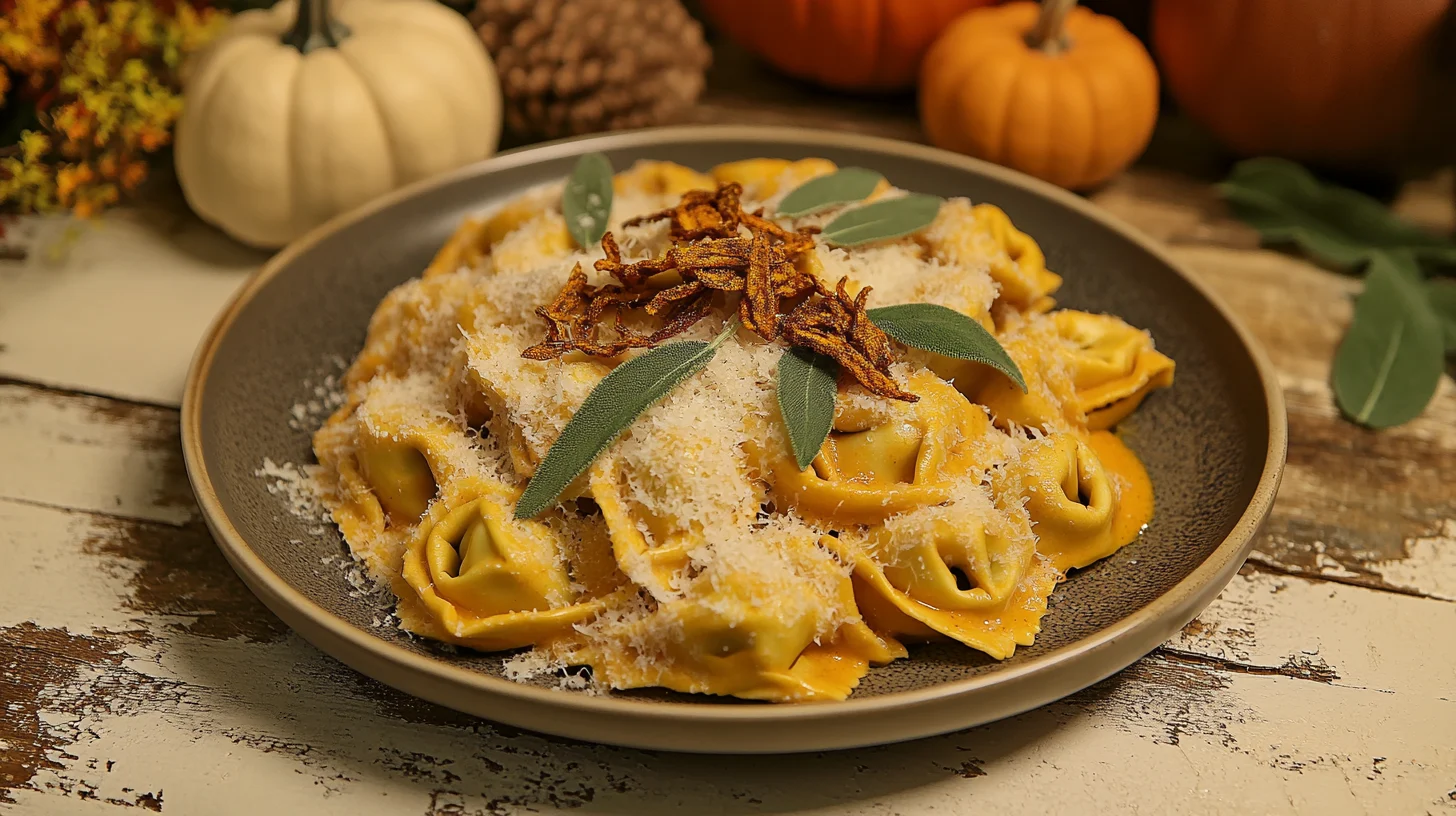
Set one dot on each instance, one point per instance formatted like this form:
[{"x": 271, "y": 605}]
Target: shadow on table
[{"x": 351, "y": 732}]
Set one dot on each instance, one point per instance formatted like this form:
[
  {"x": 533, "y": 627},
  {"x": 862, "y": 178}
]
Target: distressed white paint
[
  {"x": 1379, "y": 641},
  {"x": 117, "y": 306},
  {"x": 276, "y": 727},
  {"x": 1428, "y": 565},
  {"x": 48, "y": 579},
  {"x": 245, "y": 727},
  {"x": 68, "y": 452}
]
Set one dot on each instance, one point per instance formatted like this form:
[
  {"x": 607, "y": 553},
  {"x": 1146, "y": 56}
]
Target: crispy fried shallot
[{"x": 711, "y": 253}]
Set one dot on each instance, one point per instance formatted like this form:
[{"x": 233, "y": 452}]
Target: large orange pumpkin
[
  {"x": 1055, "y": 91},
  {"x": 845, "y": 44},
  {"x": 1329, "y": 81}
]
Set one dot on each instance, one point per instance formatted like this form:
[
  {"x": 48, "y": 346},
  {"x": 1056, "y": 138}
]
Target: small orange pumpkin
[
  {"x": 853, "y": 45},
  {"x": 1055, "y": 91},
  {"x": 1328, "y": 81}
]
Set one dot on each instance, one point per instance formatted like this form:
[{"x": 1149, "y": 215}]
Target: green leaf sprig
[
  {"x": 1336, "y": 226},
  {"x": 882, "y": 220},
  {"x": 948, "y": 333},
  {"x": 844, "y": 186},
  {"x": 1388, "y": 366},
  {"x": 806, "y": 381},
  {"x": 805, "y": 384},
  {"x": 586, "y": 203},
  {"x": 612, "y": 405}
]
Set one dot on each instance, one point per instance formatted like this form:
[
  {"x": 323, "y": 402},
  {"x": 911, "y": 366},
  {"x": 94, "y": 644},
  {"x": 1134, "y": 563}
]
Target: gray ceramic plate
[{"x": 1214, "y": 445}]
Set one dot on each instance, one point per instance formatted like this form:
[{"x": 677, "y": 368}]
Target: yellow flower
[
  {"x": 70, "y": 178},
  {"x": 33, "y": 145},
  {"x": 109, "y": 76}
]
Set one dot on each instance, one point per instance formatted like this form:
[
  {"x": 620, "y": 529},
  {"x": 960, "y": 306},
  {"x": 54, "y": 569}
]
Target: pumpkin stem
[
  {"x": 1049, "y": 34},
  {"x": 314, "y": 27}
]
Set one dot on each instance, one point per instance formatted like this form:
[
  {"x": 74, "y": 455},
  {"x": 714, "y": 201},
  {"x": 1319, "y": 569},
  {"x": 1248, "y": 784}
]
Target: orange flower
[
  {"x": 133, "y": 174},
  {"x": 151, "y": 137},
  {"x": 71, "y": 177},
  {"x": 105, "y": 81}
]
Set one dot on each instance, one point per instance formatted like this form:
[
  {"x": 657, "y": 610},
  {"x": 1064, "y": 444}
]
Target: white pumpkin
[{"x": 297, "y": 113}]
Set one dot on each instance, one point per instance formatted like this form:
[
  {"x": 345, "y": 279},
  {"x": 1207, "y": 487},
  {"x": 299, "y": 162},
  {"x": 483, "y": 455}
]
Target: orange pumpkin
[
  {"x": 1329, "y": 81},
  {"x": 851, "y": 45},
  {"x": 1056, "y": 91}
]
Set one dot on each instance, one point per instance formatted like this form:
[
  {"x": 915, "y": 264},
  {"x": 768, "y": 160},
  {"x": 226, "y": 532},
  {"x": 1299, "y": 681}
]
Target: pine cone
[{"x": 569, "y": 67}]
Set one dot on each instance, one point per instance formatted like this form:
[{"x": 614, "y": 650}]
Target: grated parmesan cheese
[{"x": 707, "y": 550}]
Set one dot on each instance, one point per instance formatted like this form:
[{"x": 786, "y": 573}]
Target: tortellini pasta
[
  {"x": 765, "y": 178},
  {"x": 889, "y": 459},
  {"x": 490, "y": 581},
  {"x": 694, "y": 554},
  {"x": 1113, "y": 366}
]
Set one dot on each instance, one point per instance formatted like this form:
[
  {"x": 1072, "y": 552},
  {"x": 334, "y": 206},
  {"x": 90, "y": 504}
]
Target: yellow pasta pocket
[
  {"x": 1114, "y": 366},
  {"x": 686, "y": 449},
  {"x": 490, "y": 581},
  {"x": 887, "y": 459}
]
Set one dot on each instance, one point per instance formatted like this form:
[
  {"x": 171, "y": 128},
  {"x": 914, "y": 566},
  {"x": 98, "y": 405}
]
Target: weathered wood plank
[
  {"x": 1358, "y": 506},
  {"x": 115, "y": 306},
  {"x": 92, "y": 453},
  {"x": 1325, "y": 632},
  {"x": 155, "y": 707}
]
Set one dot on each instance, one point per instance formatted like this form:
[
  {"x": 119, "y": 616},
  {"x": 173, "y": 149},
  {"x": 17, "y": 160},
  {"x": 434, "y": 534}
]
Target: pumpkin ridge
[
  {"x": 372, "y": 76},
  {"x": 1091, "y": 158},
  {"x": 1005, "y": 142},
  {"x": 874, "y": 24},
  {"x": 290, "y": 146},
  {"x": 995, "y": 138}
]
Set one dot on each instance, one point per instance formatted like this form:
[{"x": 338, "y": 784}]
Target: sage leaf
[
  {"x": 805, "y": 385},
  {"x": 1442, "y": 294},
  {"x": 1389, "y": 364},
  {"x": 946, "y": 332},
  {"x": 890, "y": 218},
  {"x": 1336, "y": 226},
  {"x": 616, "y": 401},
  {"x": 586, "y": 203},
  {"x": 840, "y": 187}
]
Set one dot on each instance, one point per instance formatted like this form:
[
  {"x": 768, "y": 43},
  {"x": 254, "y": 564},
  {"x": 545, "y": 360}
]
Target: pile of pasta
[{"x": 694, "y": 554}]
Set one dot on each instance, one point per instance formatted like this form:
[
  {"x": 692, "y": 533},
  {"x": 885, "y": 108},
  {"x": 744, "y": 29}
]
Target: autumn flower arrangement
[{"x": 89, "y": 91}]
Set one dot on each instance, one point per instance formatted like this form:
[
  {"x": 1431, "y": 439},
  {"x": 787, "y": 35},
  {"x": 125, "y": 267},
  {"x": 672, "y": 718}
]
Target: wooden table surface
[{"x": 136, "y": 671}]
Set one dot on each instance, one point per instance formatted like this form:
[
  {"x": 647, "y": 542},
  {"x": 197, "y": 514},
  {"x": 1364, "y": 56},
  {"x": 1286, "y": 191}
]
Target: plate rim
[{"x": 1066, "y": 670}]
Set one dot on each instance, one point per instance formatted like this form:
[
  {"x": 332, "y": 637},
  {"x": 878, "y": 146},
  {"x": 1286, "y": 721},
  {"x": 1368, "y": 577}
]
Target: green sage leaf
[
  {"x": 806, "y": 392},
  {"x": 1389, "y": 364},
  {"x": 841, "y": 187},
  {"x": 890, "y": 218},
  {"x": 586, "y": 203},
  {"x": 946, "y": 332},
  {"x": 1336, "y": 226},
  {"x": 614, "y": 404},
  {"x": 1442, "y": 294}
]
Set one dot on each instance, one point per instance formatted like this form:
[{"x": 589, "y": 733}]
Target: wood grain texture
[
  {"x": 161, "y": 705},
  {"x": 138, "y": 674},
  {"x": 153, "y": 277}
]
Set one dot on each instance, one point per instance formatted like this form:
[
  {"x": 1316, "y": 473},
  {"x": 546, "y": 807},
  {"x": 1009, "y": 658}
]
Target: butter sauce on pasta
[{"x": 694, "y": 554}]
